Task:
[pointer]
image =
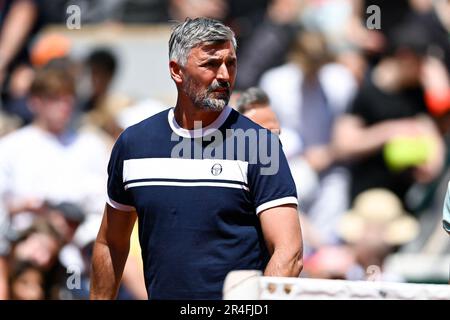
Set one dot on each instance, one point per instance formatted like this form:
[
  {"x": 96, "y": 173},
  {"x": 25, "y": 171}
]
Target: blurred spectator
[
  {"x": 254, "y": 104},
  {"x": 435, "y": 19},
  {"x": 332, "y": 18},
  {"x": 274, "y": 35},
  {"x": 43, "y": 51},
  {"x": 102, "y": 106},
  {"x": 102, "y": 65},
  {"x": 307, "y": 94},
  {"x": 429, "y": 15},
  {"x": 48, "y": 47},
  {"x": 40, "y": 244},
  {"x": 26, "y": 281},
  {"x": 108, "y": 11},
  {"x": 375, "y": 227},
  {"x": 374, "y": 42},
  {"x": 50, "y": 162},
  {"x": 333, "y": 262},
  {"x": 329, "y": 18},
  {"x": 382, "y": 123},
  {"x": 182, "y": 9},
  {"x": 241, "y": 15},
  {"x": 347, "y": 27},
  {"x": 53, "y": 11},
  {"x": 65, "y": 218},
  {"x": 436, "y": 83},
  {"x": 244, "y": 15},
  {"x": 19, "y": 21},
  {"x": 8, "y": 123}
]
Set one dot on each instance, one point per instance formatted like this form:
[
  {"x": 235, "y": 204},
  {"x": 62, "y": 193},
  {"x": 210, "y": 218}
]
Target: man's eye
[{"x": 212, "y": 64}]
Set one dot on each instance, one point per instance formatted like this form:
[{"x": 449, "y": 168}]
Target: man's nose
[{"x": 222, "y": 73}]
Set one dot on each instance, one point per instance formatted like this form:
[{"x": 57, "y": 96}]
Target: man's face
[
  {"x": 55, "y": 112},
  {"x": 40, "y": 248},
  {"x": 209, "y": 75}
]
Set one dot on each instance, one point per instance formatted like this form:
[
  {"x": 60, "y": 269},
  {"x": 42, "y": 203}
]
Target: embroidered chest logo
[{"x": 216, "y": 169}]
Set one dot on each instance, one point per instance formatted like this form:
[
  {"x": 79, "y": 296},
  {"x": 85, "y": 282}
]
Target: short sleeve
[
  {"x": 270, "y": 180},
  {"x": 446, "y": 211},
  {"x": 118, "y": 197}
]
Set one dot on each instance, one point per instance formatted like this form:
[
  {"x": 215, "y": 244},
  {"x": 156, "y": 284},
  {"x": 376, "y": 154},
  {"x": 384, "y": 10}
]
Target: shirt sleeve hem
[
  {"x": 119, "y": 206},
  {"x": 276, "y": 203}
]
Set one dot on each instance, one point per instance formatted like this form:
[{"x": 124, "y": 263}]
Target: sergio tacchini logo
[{"x": 216, "y": 169}]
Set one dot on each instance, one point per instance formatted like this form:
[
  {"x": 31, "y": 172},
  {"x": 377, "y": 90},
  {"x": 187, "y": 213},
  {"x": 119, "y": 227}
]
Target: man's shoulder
[{"x": 23, "y": 134}]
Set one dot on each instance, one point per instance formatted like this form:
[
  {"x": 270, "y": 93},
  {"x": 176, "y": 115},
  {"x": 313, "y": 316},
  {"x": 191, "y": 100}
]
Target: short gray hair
[
  {"x": 251, "y": 99},
  {"x": 193, "y": 32}
]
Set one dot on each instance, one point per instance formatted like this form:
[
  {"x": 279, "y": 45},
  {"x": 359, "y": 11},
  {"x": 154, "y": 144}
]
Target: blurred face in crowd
[
  {"x": 100, "y": 81},
  {"x": 209, "y": 75},
  {"x": 409, "y": 66},
  {"x": 28, "y": 285},
  {"x": 53, "y": 113},
  {"x": 265, "y": 117},
  {"x": 40, "y": 248},
  {"x": 65, "y": 227},
  {"x": 310, "y": 52},
  {"x": 371, "y": 249}
]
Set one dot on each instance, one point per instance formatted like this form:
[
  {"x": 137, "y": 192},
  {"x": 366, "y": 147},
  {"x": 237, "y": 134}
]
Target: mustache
[{"x": 219, "y": 85}]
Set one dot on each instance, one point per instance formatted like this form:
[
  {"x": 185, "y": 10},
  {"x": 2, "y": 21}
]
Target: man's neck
[{"x": 187, "y": 115}]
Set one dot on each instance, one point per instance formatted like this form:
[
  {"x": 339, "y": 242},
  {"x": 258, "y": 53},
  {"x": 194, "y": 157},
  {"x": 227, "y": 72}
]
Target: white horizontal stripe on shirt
[{"x": 185, "y": 169}]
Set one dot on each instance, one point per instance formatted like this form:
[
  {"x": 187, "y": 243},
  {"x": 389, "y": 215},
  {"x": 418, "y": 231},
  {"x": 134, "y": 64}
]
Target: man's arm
[
  {"x": 110, "y": 253},
  {"x": 17, "y": 26},
  {"x": 4, "y": 294},
  {"x": 353, "y": 139},
  {"x": 282, "y": 232}
]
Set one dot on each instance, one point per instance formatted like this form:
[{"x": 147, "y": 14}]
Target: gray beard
[
  {"x": 213, "y": 104},
  {"x": 202, "y": 100}
]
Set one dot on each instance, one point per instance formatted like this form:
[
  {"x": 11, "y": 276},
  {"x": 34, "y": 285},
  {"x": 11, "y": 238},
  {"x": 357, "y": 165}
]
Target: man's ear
[{"x": 175, "y": 72}]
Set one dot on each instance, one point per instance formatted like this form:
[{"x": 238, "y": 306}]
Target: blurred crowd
[{"x": 363, "y": 114}]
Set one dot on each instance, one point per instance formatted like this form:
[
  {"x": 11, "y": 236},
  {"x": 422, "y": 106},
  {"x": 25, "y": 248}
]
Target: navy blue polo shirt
[{"x": 198, "y": 194}]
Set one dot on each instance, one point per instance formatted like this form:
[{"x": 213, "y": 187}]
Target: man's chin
[{"x": 214, "y": 105}]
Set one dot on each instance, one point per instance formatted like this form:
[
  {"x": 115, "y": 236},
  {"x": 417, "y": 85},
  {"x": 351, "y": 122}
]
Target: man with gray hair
[
  {"x": 201, "y": 215},
  {"x": 255, "y": 105},
  {"x": 251, "y": 98}
]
